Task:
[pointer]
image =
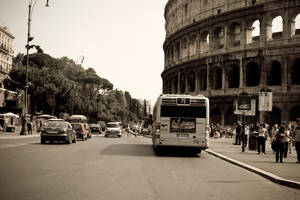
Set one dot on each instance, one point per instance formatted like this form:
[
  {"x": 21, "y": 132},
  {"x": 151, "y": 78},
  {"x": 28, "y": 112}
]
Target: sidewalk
[
  {"x": 16, "y": 134},
  {"x": 286, "y": 173}
]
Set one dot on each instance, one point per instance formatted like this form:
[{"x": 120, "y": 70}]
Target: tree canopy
[{"x": 59, "y": 85}]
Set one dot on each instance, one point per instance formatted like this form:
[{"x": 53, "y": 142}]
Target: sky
[{"x": 121, "y": 40}]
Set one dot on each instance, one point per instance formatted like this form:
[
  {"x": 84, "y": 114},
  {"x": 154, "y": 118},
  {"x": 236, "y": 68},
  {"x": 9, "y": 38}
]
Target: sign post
[{"x": 244, "y": 104}]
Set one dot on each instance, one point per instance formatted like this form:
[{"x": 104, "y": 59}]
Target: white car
[{"x": 114, "y": 129}]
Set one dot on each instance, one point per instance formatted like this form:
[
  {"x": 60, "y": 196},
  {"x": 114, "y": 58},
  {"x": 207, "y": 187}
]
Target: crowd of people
[{"x": 282, "y": 137}]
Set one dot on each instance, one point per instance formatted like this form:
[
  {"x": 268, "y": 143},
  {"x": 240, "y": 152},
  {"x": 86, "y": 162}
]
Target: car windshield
[
  {"x": 56, "y": 124},
  {"x": 113, "y": 125},
  {"x": 94, "y": 125},
  {"x": 76, "y": 126}
]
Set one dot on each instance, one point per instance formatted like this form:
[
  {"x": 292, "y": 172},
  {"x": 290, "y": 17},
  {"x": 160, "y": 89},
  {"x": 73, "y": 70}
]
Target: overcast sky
[{"x": 122, "y": 40}]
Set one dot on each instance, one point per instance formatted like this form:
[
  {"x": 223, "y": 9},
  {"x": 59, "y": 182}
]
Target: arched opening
[
  {"x": 182, "y": 83},
  {"x": 219, "y": 38},
  {"x": 202, "y": 79},
  {"x": 296, "y": 72},
  {"x": 297, "y": 25},
  {"x": 233, "y": 77},
  {"x": 216, "y": 115},
  {"x": 273, "y": 117},
  {"x": 235, "y": 35},
  {"x": 277, "y": 27},
  {"x": 275, "y": 73},
  {"x": 216, "y": 78},
  {"x": 177, "y": 51},
  {"x": 193, "y": 45},
  {"x": 192, "y": 81},
  {"x": 255, "y": 33},
  {"x": 252, "y": 74},
  {"x": 295, "y": 113},
  {"x": 184, "y": 51},
  {"x": 204, "y": 42},
  {"x": 175, "y": 84},
  {"x": 229, "y": 119},
  {"x": 164, "y": 86}
]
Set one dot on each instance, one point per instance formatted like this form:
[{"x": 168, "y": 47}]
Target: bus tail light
[
  {"x": 157, "y": 128},
  {"x": 207, "y": 130}
]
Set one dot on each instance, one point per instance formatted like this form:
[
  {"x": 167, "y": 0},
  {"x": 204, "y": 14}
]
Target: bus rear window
[{"x": 183, "y": 111}]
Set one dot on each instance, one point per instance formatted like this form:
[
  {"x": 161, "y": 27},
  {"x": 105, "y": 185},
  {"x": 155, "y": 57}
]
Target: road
[{"x": 123, "y": 168}]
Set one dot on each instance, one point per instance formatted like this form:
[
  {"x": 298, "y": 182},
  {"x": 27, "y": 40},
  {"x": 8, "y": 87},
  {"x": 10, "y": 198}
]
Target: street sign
[
  {"x": 244, "y": 101},
  {"x": 251, "y": 112}
]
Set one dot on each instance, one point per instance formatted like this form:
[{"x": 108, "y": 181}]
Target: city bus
[{"x": 181, "y": 121}]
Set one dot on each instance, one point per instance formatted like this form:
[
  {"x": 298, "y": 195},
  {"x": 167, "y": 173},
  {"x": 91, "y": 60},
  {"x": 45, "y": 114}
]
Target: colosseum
[{"x": 221, "y": 48}]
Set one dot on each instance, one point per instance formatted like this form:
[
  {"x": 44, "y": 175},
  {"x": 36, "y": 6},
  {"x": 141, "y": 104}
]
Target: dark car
[
  {"x": 81, "y": 130},
  {"x": 58, "y": 131},
  {"x": 95, "y": 128}
]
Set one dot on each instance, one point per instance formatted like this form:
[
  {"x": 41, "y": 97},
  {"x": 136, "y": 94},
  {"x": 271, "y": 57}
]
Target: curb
[
  {"x": 18, "y": 136},
  {"x": 272, "y": 177}
]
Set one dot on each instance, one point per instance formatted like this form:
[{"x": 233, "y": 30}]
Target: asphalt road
[{"x": 123, "y": 168}]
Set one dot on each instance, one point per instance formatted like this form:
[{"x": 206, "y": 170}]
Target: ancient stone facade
[{"x": 221, "y": 48}]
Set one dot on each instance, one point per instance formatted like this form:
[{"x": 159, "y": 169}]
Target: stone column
[
  {"x": 178, "y": 83},
  {"x": 196, "y": 81},
  {"x": 207, "y": 77},
  {"x": 242, "y": 82}
]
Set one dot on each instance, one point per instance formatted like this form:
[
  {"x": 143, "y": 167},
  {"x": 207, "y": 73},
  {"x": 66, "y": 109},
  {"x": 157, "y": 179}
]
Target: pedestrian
[
  {"x": 247, "y": 130},
  {"x": 29, "y": 127},
  {"x": 286, "y": 142},
  {"x": 238, "y": 133},
  {"x": 296, "y": 132},
  {"x": 261, "y": 139},
  {"x": 279, "y": 137}
]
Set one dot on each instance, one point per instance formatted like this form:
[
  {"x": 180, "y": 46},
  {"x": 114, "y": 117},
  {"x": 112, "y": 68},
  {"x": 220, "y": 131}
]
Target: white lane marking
[
  {"x": 175, "y": 177},
  {"x": 5, "y": 146}
]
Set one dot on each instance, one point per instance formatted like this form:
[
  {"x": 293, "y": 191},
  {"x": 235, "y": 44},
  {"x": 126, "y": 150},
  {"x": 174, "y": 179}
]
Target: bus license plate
[{"x": 182, "y": 135}]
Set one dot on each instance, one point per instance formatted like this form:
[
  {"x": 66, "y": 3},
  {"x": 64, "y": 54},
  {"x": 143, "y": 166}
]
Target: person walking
[
  {"x": 286, "y": 142},
  {"x": 238, "y": 133},
  {"x": 279, "y": 137},
  {"x": 296, "y": 132},
  {"x": 261, "y": 139}
]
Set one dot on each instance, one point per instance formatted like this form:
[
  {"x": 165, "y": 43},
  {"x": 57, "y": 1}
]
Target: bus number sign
[{"x": 183, "y": 101}]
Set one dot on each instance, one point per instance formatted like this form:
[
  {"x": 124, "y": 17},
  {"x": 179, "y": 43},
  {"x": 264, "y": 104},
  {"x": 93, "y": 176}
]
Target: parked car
[
  {"x": 113, "y": 128},
  {"x": 81, "y": 130},
  {"x": 58, "y": 131},
  {"x": 95, "y": 128}
]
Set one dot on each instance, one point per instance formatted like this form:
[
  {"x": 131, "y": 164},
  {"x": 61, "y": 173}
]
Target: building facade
[
  {"x": 6, "y": 53},
  {"x": 223, "y": 48}
]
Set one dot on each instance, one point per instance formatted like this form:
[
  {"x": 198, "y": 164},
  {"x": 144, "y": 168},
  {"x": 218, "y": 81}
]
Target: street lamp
[{"x": 28, "y": 46}]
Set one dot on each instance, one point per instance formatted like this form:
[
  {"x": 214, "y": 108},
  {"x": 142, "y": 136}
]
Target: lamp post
[{"x": 28, "y": 46}]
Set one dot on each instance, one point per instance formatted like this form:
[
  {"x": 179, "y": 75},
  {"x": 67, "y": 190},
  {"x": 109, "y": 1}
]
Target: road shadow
[{"x": 145, "y": 150}]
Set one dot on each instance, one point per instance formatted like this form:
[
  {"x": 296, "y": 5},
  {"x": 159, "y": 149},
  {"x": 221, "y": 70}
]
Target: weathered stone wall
[{"x": 211, "y": 49}]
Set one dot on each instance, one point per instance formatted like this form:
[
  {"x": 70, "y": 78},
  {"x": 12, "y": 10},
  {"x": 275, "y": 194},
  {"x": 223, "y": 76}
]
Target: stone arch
[
  {"x": 295, "y": 113},
  {"x": 219, "y": 37},
  {"x": 184, "y": 48},
  {"x": 192, "y": 81},
  {"x": 216, "y": 115},
  {"x": 230, "y": 118},
  {"x": 175, "y": 84},
  {"x": 204, "y": 42},
  {"x": 193, "y": 44},
  {"x": 216, "y": 78},
  {"x": 233, "y": 76},
  {"x": 234, "y": 34},
  {"x": 177, "y": 50},
  {"x": 182, "y": 83},
  {"x": 202, "y": 79},
  {"x": 295, "y": 72},
  {"x": 274, "y": 117},
  {"x": 295, "y": 23},
  {"x": 255, "y": 33},
  {"x": 252, "y": 74},
  {"x": 275, "y": 73},
  {"x": 277, "y": 27}
]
